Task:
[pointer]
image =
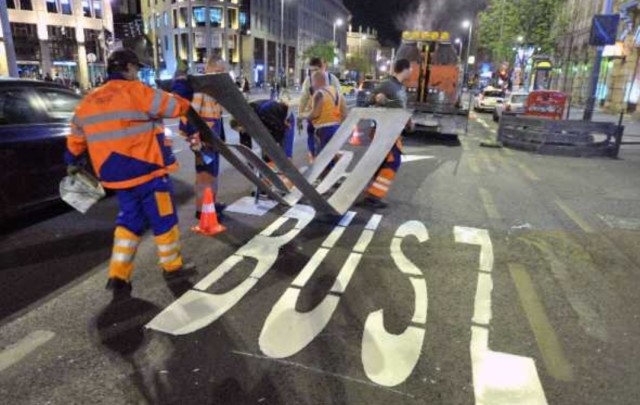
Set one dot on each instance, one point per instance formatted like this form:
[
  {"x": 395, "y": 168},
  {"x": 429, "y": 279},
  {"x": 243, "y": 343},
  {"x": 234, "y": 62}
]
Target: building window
[
  {"x": 93, "y": 44},
  {"x": 26, "y": 5},
  {"x": 175, "y": 18},
  {"x": 158, "y": 21},
  {"x": 25, "y": 41},
  {"x": 11, "y": 4},
  {"x": 166, "y": 43},
  {"x": 97, "y": 8},
  {"x": 199, "y": 16},
  {"x": 232, "y": 18},
  {"x": 183, "y": 17},
  {"x": 215, "y": 16},
  {"x": 63, "y": 43},
  {"x": 52, "y": 7},
  {"x": 165, "y": 16},
  {"x": 86, "y": 8},
  {"x": 65, "y": 6}
]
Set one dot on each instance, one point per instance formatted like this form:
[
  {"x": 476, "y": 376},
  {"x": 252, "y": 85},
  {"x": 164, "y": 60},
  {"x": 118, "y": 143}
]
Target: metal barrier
[{"x": 561, "y": 137}]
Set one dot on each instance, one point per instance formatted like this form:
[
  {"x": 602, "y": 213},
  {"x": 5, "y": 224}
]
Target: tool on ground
[
  {"x": 209, "y": 224},
  {"x": 81, "y": 190}
]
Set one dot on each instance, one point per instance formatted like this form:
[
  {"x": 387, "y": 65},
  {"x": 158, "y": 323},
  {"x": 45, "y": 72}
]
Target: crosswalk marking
[{"x": 16, "y": 352}]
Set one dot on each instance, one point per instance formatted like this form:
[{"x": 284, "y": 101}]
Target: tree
[
  {"x": 359, "y": 63},
  {"x": 326, "y": 52},
  {"x": 504, "y": 21}
]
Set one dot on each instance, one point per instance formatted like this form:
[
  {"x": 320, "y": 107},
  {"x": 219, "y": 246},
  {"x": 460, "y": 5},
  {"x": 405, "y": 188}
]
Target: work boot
[
  {"x": 121, "y": 289},
  {"x": 374, "y": 202},
  {"x": 186, "y": 271}
]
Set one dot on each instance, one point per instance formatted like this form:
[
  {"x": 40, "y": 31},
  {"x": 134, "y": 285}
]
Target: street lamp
[
  {"x": 467, "y": 24},
  {"x": 458, "y": 42},
  {"x": 520, "y": 39},
  {"x": 336, "y": 23}
]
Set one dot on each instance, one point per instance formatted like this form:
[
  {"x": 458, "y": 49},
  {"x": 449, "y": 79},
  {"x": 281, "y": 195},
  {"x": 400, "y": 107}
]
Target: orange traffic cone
[
  {"x": 355, "y": 138},
  {"x": 209, "y": 225}
]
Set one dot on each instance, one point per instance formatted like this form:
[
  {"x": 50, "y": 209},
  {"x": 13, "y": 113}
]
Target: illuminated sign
[{"x": 429, "y": 36}]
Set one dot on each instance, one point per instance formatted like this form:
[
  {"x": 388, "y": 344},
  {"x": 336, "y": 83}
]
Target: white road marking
[
  {"x": 198, "y": 309},
  {"x": 320, "y": 371},
  {"x": 286, "y": 330},
  {"x": 14, "y": 353},
  {"x": 415, "y": 158},
  {"x": 498, "y": 378},
  {"x": 248, "y": 206},
  {"x": 631, "y": 224},
  {"x": 389, "y": 359}
]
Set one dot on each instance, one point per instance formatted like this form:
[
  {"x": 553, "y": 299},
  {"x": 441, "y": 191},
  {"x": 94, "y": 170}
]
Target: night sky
[{"x": 390, "y": 17}]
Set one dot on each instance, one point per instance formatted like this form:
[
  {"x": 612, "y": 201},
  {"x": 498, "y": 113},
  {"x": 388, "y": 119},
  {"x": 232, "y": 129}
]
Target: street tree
[
  {"x": 506, "y": 24},
  {"x": 326, "y": 52}
]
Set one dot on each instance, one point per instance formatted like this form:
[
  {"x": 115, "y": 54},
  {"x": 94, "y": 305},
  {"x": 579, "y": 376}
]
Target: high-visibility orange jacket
[
  {"x": 208, "y": 109},
  {"x": 120, "y": 124},
  {"x": 331, "y": 113}
]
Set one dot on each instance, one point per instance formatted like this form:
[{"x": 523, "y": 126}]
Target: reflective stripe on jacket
[
  {"x": 120, "y": 124},
  {"x": 208, "y": 109},
  {"x": 330, "y": 113}
]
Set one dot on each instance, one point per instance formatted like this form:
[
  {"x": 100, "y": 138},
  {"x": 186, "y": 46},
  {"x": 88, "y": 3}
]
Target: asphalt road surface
[{"x": 493, "y": 277}]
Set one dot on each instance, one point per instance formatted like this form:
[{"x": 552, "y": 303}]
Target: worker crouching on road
[
  {"x": 328, "y": 110},
  {"x": 276, "y": 118},
  {"x": 391, "y": 93},
  {"x": 206, "y": 158},
  {"x": 120, "y": 125}
]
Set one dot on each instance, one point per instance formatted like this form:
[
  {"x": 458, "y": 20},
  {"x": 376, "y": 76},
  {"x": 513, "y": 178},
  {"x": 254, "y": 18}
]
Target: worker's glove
[
  {"x": 195, "y": 143},
  {"x": 73, "y": 170}
]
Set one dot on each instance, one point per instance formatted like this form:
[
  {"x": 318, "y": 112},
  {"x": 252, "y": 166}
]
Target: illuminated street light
[
  {"x": 520, "y": 39},
  {"x": 336, "y": 23}
]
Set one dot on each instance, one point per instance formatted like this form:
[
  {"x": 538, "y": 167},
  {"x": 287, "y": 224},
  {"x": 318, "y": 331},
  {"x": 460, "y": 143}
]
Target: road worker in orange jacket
[
  {"x": 328, "y": 110},
  {"x": 207, "y": 160},
  {"x": 120, "y": 125}
]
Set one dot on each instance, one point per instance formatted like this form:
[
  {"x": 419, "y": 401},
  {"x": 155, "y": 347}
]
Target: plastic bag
[{"x": 81, "y": 191}]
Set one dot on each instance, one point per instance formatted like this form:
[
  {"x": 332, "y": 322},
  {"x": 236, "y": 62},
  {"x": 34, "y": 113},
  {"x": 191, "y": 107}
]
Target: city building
[
  {"x": 260, "y": 39},
  {"x": 191, "y": 31},
  {"x": 65, "y": 39},
  {"x": 619, "y": 76},
  {"x": 363, "y": 53}
]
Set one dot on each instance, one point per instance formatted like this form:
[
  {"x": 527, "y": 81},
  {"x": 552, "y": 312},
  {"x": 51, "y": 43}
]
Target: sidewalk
[{"x": 631, "y": 124}]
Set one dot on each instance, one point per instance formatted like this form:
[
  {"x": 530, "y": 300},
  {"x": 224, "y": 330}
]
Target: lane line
[
  {"x": 473, "y": 164},
  {"x": 528, "y": 173},
  {"x": 575, "y": 217},
  {"x": 16, "y": 352},
  {"x": 548, "y": 343},
  {"x": 488, "y": 162},
  {"x": 489, "y": 205}
]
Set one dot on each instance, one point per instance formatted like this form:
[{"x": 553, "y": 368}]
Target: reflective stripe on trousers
[
  {"x": 125, "y": 245},
  {"x": 169, "y": 255}
]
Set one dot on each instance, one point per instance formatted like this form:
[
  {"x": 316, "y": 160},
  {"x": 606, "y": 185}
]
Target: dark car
[
  {"x": 34, "y": 120},
  {"x": 364, "y": 92}
]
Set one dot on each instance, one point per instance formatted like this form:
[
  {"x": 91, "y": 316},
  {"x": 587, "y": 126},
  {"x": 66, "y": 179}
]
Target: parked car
[
  {"x": 34, "y": 121},
  {"x": 488, "y": 100},
  {"x": 514, "y": 104},
  {"x": 348, "y": 87},
  {"x": 364, "y": 92}
]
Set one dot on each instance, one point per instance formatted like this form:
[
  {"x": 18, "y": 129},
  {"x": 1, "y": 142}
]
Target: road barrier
[{"x": 561, "y": 137}]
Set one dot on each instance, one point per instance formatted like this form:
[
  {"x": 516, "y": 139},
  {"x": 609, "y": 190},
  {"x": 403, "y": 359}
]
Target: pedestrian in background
[
  {"x": 304, "y": 107},
  {"x": 120, "y": 125}
]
